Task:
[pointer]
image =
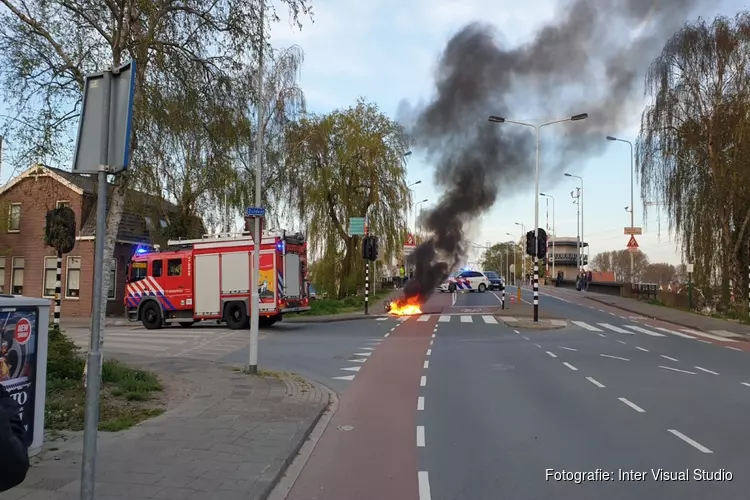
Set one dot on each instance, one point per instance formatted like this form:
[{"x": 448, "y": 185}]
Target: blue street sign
[
  {"x": 356, "y": 226},
  {"x": 255, "y": 212}
]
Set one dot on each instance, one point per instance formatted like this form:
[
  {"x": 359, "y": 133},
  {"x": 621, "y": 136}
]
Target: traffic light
[
  {"x": 530, "y": 244},
  {"x": 370, "y": 248},
  {"x": 542, "y": 243}
]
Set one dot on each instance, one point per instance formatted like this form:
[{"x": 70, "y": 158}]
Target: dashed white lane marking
[
  {"x": 602, "y": 335},
  {"x": 424, "y": 317},
  {"x": 691, "y": 442},
  {"x": 677, "y": 370},
  {"x": 706, "y": 370},
  {"x": 601, "y": 310},
  {"x": 641, "y": 349},
  {"x": 363, "y": 354},
  {"x": 429, "y": 351},
  {"x": 569, "y": 349},
  {"x": 525, "y": 337},
  {"x": 595, "y": 382},
  {"x": 615, "y": 328},
  {"x": 585, "y": 325},
  {"x": 622, "y": 342},
  {"x": 444, "y": 319},
  {"x": 668, "y": 357},
  {"x": 466, "y": 319},
  {"x": 552, "y": 354},
  {"x": 423, "y": 480},
  {"x": 489, "y": 319},
  {"x": 672, "y": 332},
  {"x": 433, "y": 335},
  {"x": 420, "y": 436},
  {"x": 612, "y": 314},
  {"x": 352, "y": 369},
  {"x": 420, "y": 403},
  {"x": 360, "y": 360},
  {"x": 643, "y": 330},
  {"x": 403, "y": 318},
  {"x": 746, "y": 384},
  {"x": 632, "y": 405},
  {"x": 426, "y": 364},
  {"x": 570, "y": 366},
  {"x": 516, "y": 331},
  {"x": 705, "y": 341},
  {"x": 431, "y": 341},
  {"x": 733, "y": 348},
  {"x": 423, "y": 381},
  {"x": 366, "y": 349},
  {"x": 613, "y": 357},
  {"x": 381, "y": 319},
  {"x": 538, "y": 345},
  {"x": 707, "y": 335},
  {"x": 345, "y": 377}
]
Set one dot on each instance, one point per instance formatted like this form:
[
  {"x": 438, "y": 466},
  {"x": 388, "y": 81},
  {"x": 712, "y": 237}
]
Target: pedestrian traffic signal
[
  {"x": 542, "y": 243},
  {"x": 530, "y": 244},
  {"x": 370, "y": 248}
]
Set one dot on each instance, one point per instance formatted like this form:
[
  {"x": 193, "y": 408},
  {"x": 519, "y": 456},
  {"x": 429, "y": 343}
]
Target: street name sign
[
  {"x": 255, "y": 212},
  {"x": 356, "y": 226},
  {"x": 634, "y": 230}
]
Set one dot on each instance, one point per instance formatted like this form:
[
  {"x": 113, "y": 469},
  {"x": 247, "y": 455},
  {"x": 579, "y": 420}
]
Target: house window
[
  {"x": 163, "y": 224},
  {"x": 112, "y": 292},
  {"x": 149, "y": 222},
  {"x": 73, "y": 278},
  {"x": 156, "y": 269},
  {"x": 174, "y": 267},
  {"x": 17, "y": 276},
  {"x": 50, "y": 277},
  {"x": 62, "y": 203},
  {"x": 14, "y": 218},
  {"x": 2, "y": 274}
]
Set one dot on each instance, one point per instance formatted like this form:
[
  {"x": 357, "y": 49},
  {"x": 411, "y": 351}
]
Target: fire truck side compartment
[
  {"x": 207, "y": 286},
  {"x": 235, "y": 272}
]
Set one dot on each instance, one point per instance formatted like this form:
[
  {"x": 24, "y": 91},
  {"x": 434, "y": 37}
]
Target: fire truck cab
[{"x": 210, "y": 279}]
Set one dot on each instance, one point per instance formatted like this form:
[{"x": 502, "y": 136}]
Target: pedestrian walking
[{"x": 14, "y": 454}]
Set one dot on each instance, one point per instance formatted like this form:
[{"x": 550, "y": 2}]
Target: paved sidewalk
[
  {"x": 231, "y": 440},
  {"x": 671, "y": 315}
]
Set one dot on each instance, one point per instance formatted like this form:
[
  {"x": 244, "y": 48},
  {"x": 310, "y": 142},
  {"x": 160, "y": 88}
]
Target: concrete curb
[
  {"x": 333, "y": 318},
  {"x": 530, "y": 325},
  {"x": 279, "y": 489},
  {"x": 649, "y": 316}
]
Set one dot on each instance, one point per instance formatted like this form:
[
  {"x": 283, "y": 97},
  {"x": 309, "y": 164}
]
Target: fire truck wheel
[
  {"x": 235, "y": 314},
  {"x": 151, "y": 316}
]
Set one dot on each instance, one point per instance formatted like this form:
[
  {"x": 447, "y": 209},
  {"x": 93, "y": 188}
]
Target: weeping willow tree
[
  {"x": 349, "y": 163},
  {"x": 692, "y": 152}
]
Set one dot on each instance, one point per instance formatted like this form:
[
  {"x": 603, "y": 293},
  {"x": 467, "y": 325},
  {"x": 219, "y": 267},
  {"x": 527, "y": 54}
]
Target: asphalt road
[{"x": 497, "y": 408}]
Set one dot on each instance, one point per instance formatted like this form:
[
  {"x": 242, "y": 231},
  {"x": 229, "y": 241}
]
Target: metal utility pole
[
  {"x": 523, "y": 255},
  {"x": 632, "y": 197},
  {"x": 537, "y": 128},
  {"x": 581, "y": 241},
  {"x": 554, "y": 233},
  {"x": 257, "y": 233},
  {"x": 578, "y": 228}
]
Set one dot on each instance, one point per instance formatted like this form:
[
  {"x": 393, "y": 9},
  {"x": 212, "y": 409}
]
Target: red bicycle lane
[{"x": 368, "y": 450}]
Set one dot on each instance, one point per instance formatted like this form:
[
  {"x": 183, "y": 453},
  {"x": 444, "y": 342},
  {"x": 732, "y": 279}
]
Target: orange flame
[{"x": 405, "y": 306}]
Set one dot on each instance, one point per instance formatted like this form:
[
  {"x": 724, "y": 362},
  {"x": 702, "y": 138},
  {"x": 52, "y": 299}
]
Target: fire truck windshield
[{"x": 137, "y": 271}]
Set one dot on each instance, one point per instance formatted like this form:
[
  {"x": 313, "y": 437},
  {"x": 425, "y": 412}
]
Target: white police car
[{"x": 465, "y": 280}]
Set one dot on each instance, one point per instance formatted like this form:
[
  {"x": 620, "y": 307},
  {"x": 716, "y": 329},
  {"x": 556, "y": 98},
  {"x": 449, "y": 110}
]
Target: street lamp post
[
  {"x": 537, "y": 128},
  {"x": 554, "y": 232},
  {"x": 515, "y": 271},
  {"x": 415, "y": 213},
  {"x": 632, "y": 201},
  {"x": 523, "y": 255},
  {"x": 580, "y": 209}
]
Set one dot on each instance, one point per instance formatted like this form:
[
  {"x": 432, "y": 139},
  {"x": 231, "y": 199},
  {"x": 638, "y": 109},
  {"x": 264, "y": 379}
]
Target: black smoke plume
[{"x": 590, "y": 60}]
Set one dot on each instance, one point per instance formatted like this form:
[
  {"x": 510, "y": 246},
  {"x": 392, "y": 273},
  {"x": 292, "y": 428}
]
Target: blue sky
[{"x": 386, "y": 50}]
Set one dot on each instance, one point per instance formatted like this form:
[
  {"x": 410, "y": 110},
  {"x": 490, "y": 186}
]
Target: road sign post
[
  {"x": 257, "y": 214},
  {"x": 103, "y": 148}
]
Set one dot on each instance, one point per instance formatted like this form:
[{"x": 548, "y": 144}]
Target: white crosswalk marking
[
  {"x": 672, "y": 332},
  {"x": 466, "y": 319},
  {"x": 384, "y": 318},
  {"x": 615, "y": 328},
  {"x": 586, "y": 326},
  {"x": 708, "y": 335},
  {"x": 643, "y": 330},
  {"x": 489, "y": 319},
  {"x": 424, "y": 317},
  {"x": 444, "y": 319}
]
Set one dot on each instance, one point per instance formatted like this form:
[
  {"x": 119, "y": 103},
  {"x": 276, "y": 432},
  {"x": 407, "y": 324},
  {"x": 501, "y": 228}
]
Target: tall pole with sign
[{"x": 102, "y": 148}]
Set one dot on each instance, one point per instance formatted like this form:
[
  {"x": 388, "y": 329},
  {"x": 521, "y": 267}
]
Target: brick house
[{"x": 28, "y": 266}]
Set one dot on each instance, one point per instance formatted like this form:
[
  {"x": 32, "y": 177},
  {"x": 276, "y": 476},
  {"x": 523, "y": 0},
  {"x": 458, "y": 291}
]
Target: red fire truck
[{"x": 209, "y": 279}]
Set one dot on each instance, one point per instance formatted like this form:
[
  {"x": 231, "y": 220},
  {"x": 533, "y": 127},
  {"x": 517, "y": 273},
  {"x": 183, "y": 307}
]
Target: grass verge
[
  {"x": 127, "y": 394},
  {"x": 325, "y": 307}
]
